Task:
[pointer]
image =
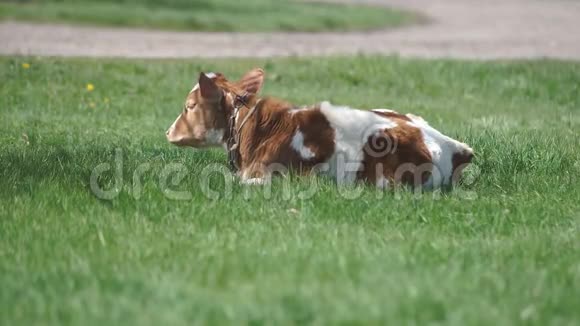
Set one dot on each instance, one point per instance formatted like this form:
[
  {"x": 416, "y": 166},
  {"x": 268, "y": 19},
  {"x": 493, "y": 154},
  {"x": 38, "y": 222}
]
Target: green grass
[
  {"x": 207, "y": 15},
  {"x": 503, "y": 249}
]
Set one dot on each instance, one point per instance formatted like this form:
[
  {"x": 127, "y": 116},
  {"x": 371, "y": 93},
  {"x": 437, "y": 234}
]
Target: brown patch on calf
[
  {"x": 265, "y": 140},
  {"x": 405, "y": 159},
  {"x": 319, "y": 136}
]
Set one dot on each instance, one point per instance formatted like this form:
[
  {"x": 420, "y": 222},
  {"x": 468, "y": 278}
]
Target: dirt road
[{"x": 458, "y": 29}]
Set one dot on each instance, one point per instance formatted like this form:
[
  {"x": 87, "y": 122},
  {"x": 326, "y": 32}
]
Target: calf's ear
[
  {"x": 207, "y": 87},
  {"x": 252, "y": 81}
]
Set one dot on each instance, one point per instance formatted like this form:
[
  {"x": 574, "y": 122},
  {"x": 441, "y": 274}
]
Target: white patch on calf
[
  {"x": 352, "y": 128},
  {"x": 383, "y": 110},
  {"x": 298, "y": 145}
]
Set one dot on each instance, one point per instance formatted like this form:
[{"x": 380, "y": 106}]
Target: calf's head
[{"x": 208, "y": 106}]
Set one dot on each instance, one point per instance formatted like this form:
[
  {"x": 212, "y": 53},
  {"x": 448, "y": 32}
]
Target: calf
[{"x": 268, "y": 135}]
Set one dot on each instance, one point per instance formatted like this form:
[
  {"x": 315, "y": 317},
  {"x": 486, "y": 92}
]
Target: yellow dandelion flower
[
  {"x": 90, "y": 87},
  {"x": 26, "y": 65}
]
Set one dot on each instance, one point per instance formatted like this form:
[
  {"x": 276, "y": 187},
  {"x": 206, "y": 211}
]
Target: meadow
[
  {"x": 502, "y": 248},
  {"x": 208, "y": 15}
]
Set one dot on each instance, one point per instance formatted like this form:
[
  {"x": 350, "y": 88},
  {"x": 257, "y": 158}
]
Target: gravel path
[{"x": 473, "y": 29}]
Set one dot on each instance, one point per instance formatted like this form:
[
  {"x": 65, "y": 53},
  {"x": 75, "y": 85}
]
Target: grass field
[
  {"x": 207, "y": 15},
  {"x": 502, "y": 249}
]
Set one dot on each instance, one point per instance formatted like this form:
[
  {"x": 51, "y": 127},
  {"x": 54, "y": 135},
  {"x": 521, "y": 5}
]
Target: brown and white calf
[{"x": 381, "y": 147}]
